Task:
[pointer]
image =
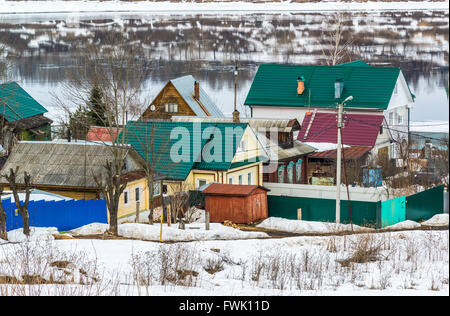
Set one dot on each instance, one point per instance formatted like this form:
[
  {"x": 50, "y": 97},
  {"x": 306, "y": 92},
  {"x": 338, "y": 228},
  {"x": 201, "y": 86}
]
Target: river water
[{"x": 41, "y": 48}]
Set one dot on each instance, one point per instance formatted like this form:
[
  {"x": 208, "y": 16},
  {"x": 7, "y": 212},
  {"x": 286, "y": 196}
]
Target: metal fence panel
[
  {"x": 424, "y": 205},
  {"x": 64, "y": 215}
]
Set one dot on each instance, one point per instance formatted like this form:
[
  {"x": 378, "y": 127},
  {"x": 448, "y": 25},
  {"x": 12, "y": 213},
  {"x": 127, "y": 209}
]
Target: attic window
[{"x": 338, "y": 88}]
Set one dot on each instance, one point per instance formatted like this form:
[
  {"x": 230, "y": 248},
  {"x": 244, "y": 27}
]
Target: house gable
[{"x": 168, "y": 95}]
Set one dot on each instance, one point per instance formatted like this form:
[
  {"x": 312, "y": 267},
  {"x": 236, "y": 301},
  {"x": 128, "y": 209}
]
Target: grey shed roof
[
  {"x": 58, "y": 164},
  {"x": 185, "y": 86},
  {"x": 281, "y": 125}
]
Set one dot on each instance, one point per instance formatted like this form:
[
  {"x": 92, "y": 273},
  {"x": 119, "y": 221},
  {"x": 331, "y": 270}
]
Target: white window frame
[
  {"x": 251, "y": 177},
  {"x": 127, "y": 194},
  {"x": 198, "y": 182},
  {"x": 241, "y": 179},
  {"x": 167, "y": 107},
  {"x": 157, "y": 184},
  {"x": 399, "y": 119},
  {"x": 393, "y": 150},
  {"x": 391, "y": 118},
  {"x": 230, "y": 178},
  {"x": 140, "y": 194}
]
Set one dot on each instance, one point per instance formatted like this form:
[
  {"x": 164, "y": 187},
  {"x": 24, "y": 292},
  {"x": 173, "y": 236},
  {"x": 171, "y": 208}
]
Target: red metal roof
[
  {"x": 102, "y": 134},
  {"x": 231, "y": 189},
  {"x": 354, "y": 152},
  {"x": 359, "y": 129}
]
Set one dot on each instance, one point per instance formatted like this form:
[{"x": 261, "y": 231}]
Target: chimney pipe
[{"x": 197, "y": 90}]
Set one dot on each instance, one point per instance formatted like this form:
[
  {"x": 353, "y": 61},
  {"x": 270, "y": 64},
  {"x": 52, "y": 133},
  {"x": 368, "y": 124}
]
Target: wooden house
[
  {"x": 21, "y": 117},
  {"x": 64, "y": 168},
  {"x": 287, "y": 161},
  {"x": 192, "y": 154},
  {"x": 181, "y": 96},
  {"x": 243, "y": 204}
]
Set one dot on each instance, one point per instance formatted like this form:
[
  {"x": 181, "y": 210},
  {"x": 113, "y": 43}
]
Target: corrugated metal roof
[
  {"x": 231, "y": 189},
  {"x": 17, "y": 104},
  {"x": 353, "y": 152},
  {"x": 276, "y": 85},
  {"x": 359, "y": 129},
  {"x": 102, "y": 134},
  {"x": 185, "y": 86},
  {"x": 59, "y": 164},
  {"x": 282, "y": 125},
  {"x": 155, "y": 141}
]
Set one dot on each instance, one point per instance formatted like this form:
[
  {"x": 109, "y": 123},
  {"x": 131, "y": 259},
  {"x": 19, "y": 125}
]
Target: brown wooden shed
[{"x": 241, "y": 204}]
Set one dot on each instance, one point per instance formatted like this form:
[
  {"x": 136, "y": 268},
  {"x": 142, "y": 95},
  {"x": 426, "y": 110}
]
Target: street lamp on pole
[{"x": 340, "y": 124}]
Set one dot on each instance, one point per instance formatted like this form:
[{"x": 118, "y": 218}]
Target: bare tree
[
  {"x": 21, "y": 208},
  {"x": 118, "y": 72},
  {"x": 154, "y": 146},
  {"x": 335, "y": 41},
  {"x": 3, "y": 233}
]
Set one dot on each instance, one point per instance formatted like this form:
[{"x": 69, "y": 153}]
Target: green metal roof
[
  {"x": 17, "y": 104},
  {"x": 276, "y": 85},
  {"x": 155, "y": 141},
  {"x": 355, "y": 63}
]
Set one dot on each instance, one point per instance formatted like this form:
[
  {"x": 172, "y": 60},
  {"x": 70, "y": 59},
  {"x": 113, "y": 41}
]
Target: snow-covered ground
[
  {"x": 310, "y": 227},
  {"x": 59, "y": 6},
  {"x": 195, "y": 231},
  {"x": 402, "y": 263}
]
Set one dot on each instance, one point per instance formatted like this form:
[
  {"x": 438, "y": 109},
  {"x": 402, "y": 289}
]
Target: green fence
[
  {"x": 424, "y": 205},
  {"x": 323, "y": 210},
  {"x": 392, "y": 211},
  {"x": 417, "y": 207}
]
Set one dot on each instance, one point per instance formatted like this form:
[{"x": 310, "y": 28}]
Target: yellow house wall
[
  {"x": 253, "y": 147},
  {"x": 256, "y": 169},
  {"x": 130, "y": 208}
]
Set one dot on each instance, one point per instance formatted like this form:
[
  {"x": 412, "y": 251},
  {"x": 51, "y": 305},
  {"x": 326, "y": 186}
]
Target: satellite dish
[{"x": 152, "y": 107}]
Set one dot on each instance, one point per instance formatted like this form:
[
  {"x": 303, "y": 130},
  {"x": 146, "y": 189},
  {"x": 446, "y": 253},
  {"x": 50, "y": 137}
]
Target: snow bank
[
  {"x": 307, "y": 227},
  {"x": 437, "y": 220},
  {"x": 213, "y": 6},
  {"x": 172, "y": 233},
  {"x": 404, "y": 225},
  {"x": 36, "y": 234}
]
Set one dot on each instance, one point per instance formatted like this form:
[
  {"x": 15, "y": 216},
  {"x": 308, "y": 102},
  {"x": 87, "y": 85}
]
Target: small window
[
  {"x": 381, "y": 129},
  {"x": 164, "y": 189},
  {"x": 167, "y": 107},
  {"x": 201, "y": 182},
  {"x": 399, "y": 119},
  {"x": 250, "y": 178},
  {"x": 243, "y": 146},
  {"x": 138, "y": 194},
  {"x": 230, "y": 180},
  {"x": 396, "y": 89},
  {"x": 241, "y": 179},
  {"x": 126, "y": 197},
  {"x": 156, "y": 188},
  {"x": 391, "y": 118},
  {"x": 175, "y": 108}
]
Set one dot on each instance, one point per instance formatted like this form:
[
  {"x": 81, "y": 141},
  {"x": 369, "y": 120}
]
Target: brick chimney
[
  {"x": 236, "y": 116},
  {"x": 197, "y": 90}
]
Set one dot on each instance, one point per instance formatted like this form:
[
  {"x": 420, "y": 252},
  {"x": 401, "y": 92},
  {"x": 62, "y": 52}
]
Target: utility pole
[
  {"x": 235, "y": 112},
  {"x": 340, "y": 124}
]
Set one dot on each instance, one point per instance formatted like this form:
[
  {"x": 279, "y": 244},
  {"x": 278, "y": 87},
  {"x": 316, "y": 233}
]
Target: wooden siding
[{"x": 237, "y": 209}]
